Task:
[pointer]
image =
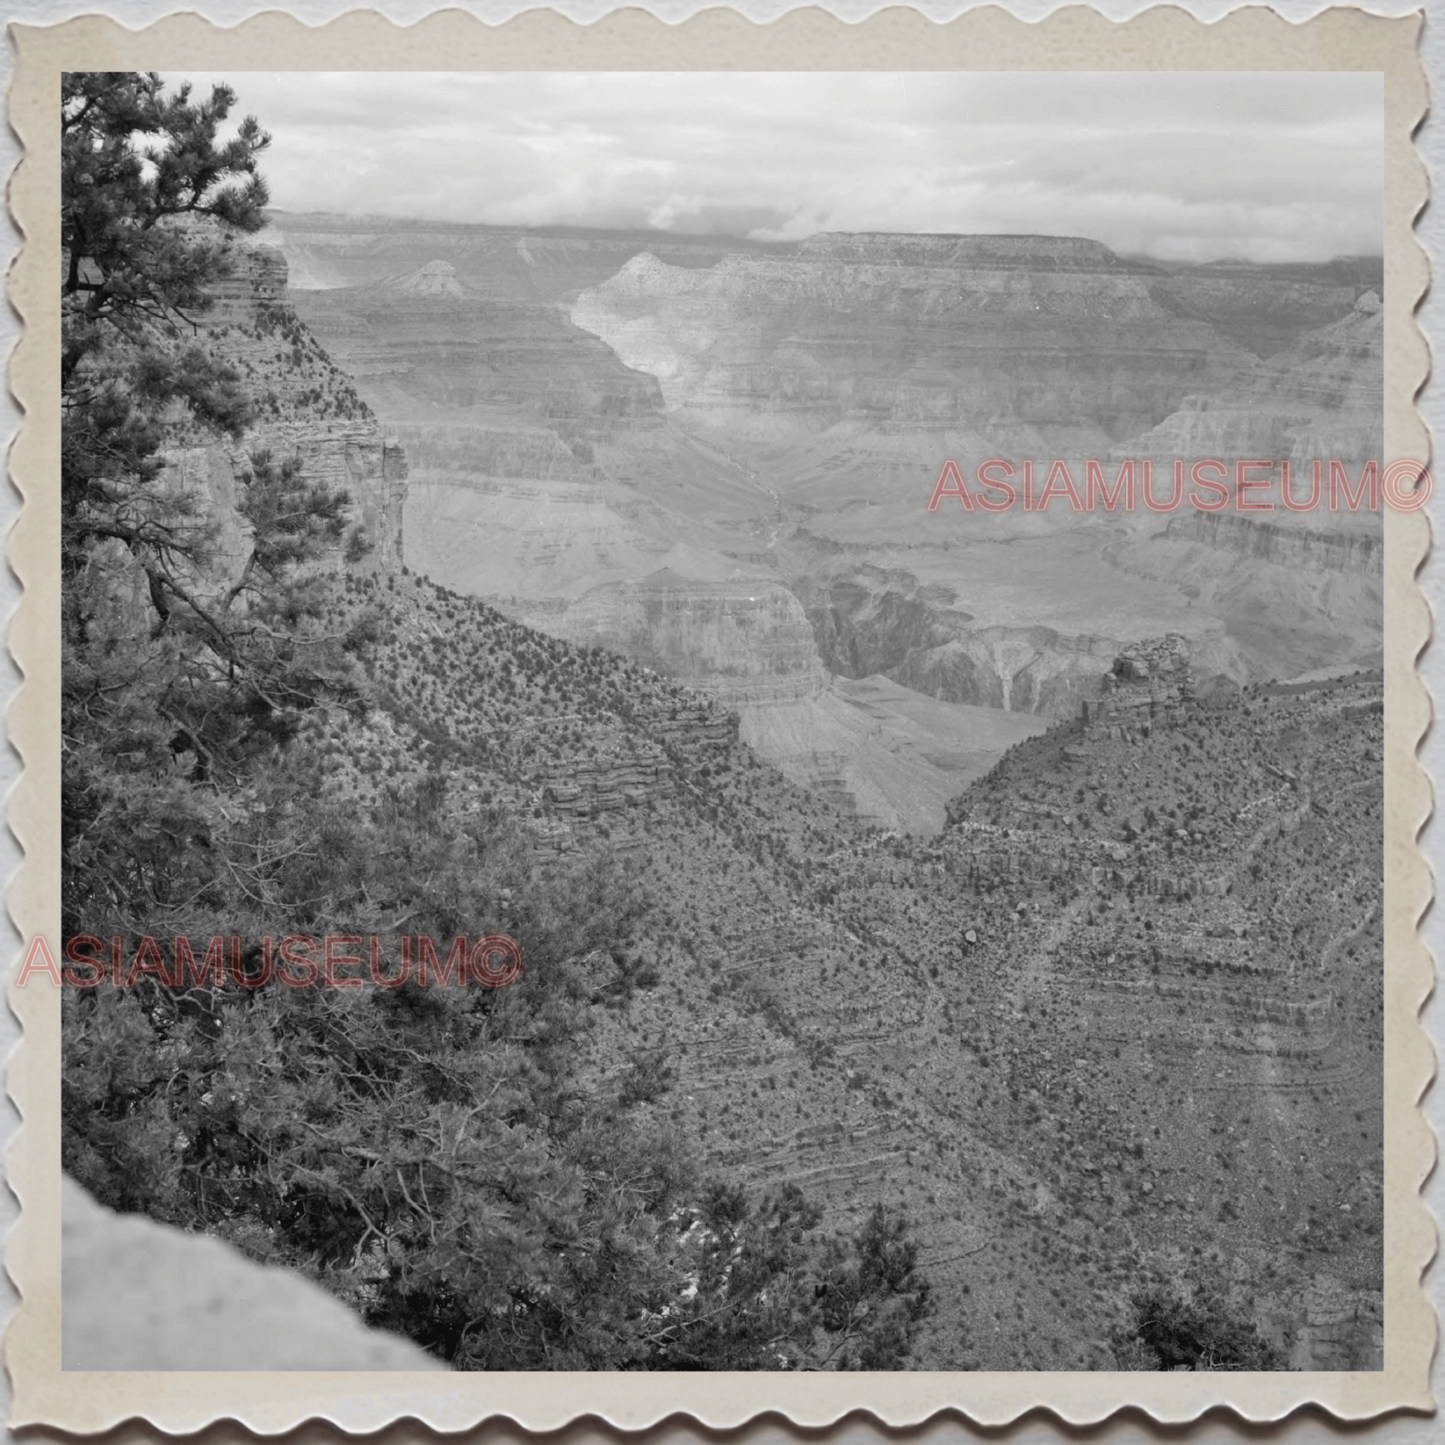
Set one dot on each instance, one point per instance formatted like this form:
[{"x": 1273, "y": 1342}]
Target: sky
[{"x": 1182, "y": 167}]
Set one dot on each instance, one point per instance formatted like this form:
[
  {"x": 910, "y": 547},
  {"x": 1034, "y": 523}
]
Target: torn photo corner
[{"x": 719, "y": 700}]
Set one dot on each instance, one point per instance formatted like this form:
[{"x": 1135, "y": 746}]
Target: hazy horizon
[
  {"x": 373, "y": 218},
  {"x": 1254, "y": 166}
]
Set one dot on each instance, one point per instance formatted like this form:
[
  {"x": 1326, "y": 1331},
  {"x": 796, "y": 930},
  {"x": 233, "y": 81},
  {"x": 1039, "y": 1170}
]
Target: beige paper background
[{"x": 1076, "y": 39}]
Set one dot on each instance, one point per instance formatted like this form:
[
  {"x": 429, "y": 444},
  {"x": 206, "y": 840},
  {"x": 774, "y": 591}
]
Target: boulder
[{"x": 137, "y": 1295}]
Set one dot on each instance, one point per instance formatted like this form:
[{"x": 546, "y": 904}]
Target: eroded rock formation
[
  {"x": 747, "y": 640},
  {"x": 674, "y": 444},
  {"x": 306, "y": 408},
  {"x": 1033, "y": 344}
]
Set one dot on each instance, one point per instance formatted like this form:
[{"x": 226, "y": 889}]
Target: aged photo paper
[{"x": 723, "y": 704}]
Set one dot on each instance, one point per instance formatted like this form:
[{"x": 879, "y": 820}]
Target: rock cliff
[
  {"x": 429, "y": 342},
  {"x": 542, "y": 264},
  {"x": 926, "y": 636},
  {"x": 1359, "y": 554},
  {"x": 583, "y": 412},
  {"x": 1320, "y": 398},
  {"x": 1264, "y": 308},
  {"x": 747, "y": 641},
  {"x": 1033, "y": 343},
  {"x": 872, "y": 622},
  {"x": 306, "y": 407}
]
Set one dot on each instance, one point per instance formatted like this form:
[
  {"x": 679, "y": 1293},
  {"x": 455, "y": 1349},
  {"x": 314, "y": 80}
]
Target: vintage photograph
[{"x": 723, "y": 721}]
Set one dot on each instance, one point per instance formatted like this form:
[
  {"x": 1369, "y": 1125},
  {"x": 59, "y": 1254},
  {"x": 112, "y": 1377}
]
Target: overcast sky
[{"x": 1265, "y": 167}]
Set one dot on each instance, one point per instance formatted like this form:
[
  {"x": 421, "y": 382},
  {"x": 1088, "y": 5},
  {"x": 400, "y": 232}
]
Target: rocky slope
[
  {"x": 1318, "y": 399},
  {"x": 1118, "y": 1025},
  {"x": 1079, "y": 1036}
]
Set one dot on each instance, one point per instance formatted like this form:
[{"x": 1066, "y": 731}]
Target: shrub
[{"x": 1170, "y": 1332}]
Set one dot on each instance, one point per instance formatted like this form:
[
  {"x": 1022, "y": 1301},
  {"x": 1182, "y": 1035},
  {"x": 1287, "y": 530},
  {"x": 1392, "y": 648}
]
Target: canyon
[
  {"x": 716, "y": 455},
  {"x": 1115, "y": 1021}
]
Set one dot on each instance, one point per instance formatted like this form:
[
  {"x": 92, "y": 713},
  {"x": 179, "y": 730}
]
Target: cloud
[{"x": 1189, "y": 167}]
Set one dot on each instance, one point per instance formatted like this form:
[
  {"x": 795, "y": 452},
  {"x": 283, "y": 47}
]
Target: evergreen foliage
[
  {"x": 432, "y": 1156},
  {"x": 187, "y": 653},
  {"x": 1170, "y": 1332}
]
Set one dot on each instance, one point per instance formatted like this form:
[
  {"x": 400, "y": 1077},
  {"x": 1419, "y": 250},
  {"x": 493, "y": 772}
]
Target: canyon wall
[
  {"x": 541, "y": 264},
  {"x": 1031, "y": 343},
  {"x": 1264, "y": 308},
  {"x": 305, "y": 408},
  {"x": 1320, "y": 398},
  {"x": 621, "y": 437},
  {"x": 872, "y": 621},
  {"x": 748, "y": 640},
  {"x": 1352, "y": 553},
  {"x": 429, "y": 341}
]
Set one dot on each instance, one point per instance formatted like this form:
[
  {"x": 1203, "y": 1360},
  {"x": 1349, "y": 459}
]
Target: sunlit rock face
[
  {"x": 1030, "y": 342},
  {"x": 425, "y": 344}
]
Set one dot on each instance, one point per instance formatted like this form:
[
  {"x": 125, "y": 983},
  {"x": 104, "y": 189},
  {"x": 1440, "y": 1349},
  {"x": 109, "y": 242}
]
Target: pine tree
[
  {"x": 435, "y": 1158},
  {"x": 181, "y": 662}
]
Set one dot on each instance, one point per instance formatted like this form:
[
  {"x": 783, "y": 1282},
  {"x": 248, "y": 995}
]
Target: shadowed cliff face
[
  {"x": 869, "y": 621},
  {"x": 933, "y": 650}
]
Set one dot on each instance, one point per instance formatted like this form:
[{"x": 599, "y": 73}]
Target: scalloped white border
[{"x": 898, "y": 38}]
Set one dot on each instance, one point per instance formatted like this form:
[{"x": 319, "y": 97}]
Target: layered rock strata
[
  {"x": 426, "y": 344},
  {"x": 1031, "y": 343},
  {"x": 543, "y": 264},
  {"x": 1355, "y": 553},
  {"x": 1151, "y": 684},
  {"x": 747, "y": 641},
  {"x": 305, "y": 408},
  {"x": 1319, "y": 399}
]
